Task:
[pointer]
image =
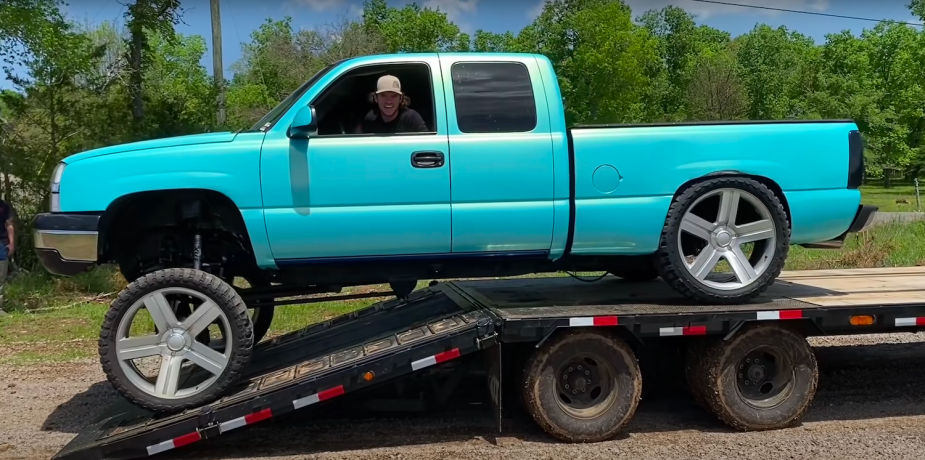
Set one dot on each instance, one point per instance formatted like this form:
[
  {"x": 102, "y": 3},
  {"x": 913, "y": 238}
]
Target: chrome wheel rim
[
  {"x": 723, "y": 234},
  {"x": 176, "y": 342}
]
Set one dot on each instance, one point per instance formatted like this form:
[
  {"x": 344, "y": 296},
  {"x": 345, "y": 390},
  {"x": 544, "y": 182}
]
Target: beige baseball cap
[{"x": 388, "y": 83}]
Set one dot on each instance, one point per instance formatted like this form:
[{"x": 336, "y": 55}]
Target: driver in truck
[{"x": 392, "y": 113}]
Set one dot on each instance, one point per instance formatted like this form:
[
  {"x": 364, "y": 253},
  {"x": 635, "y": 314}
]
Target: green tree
[
  {"x": 490, "y": 42},
  {"x": 778, "y": 70},
  {"x": 146, "y": 17},
  {"x": 918, "y": 8},
  {"x": 601, "y": 57},
  {"x": 682, "y": 46},
  {"x": 413, "y": 28},
  {"x": 278, "y": 59}
]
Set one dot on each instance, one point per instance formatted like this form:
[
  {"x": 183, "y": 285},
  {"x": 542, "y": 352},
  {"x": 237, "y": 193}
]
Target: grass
[
  {"x": 66, "y": 326},
  {"x": 898, "y": 198}
]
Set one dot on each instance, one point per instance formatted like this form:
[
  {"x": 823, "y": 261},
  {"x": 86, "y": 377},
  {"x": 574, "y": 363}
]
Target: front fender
[
  {"x": 232, "y": 169},
  {"x": 92, "y": 184}
]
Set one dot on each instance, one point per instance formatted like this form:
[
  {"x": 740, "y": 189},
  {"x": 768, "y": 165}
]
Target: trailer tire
[
  {"x": 125, "y": 376},
  {"x": 694, "y": 371},
  {"x": 615, "y": 379},
  {"x": 737, "y": 371},
  {"x": 724, "y": 239}
]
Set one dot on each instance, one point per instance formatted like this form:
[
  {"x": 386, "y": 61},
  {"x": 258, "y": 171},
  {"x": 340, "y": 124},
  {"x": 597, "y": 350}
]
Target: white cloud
[
  {"x": 454, "y": 9},
  {"x": 317, "y": 5},
  {"x": 703, "y": 10}
]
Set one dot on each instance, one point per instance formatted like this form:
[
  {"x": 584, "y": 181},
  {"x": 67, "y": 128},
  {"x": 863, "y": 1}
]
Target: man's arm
[
  {"x": 415, "y": 123},
  {"x": 11, "y": 234}
]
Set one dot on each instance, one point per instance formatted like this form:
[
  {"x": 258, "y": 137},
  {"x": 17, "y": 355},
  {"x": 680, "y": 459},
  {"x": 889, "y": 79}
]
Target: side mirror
[{"x": 303, "y": 124}]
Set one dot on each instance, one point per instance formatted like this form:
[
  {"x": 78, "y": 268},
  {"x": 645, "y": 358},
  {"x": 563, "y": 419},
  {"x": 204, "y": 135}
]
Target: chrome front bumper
[{"x": 67, "y": 244}]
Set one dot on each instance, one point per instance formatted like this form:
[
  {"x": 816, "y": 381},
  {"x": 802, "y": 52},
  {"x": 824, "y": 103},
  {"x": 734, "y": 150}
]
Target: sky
[{"x": 240, "y": 17}]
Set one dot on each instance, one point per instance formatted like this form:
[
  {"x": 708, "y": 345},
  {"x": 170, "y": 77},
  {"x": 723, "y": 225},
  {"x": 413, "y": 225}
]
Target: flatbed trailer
[{"x": 562, "y": 323}]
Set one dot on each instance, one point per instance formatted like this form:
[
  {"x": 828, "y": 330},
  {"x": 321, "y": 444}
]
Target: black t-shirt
[
  {"x": 407, "y": 121},
  {"x": 6, "y": 213}
]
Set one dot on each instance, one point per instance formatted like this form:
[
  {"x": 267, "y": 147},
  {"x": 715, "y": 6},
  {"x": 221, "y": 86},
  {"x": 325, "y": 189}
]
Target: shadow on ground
[{"x": 856, "y": 383}]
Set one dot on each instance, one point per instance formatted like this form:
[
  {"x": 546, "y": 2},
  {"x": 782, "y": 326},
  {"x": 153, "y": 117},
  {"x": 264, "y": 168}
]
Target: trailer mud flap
[{"x": 495, "y": 376}]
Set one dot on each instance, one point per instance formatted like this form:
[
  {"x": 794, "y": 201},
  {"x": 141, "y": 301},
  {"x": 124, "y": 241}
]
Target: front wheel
[
  {"x": 725, "y": 241},
  {"x": 188, "y": 367}
]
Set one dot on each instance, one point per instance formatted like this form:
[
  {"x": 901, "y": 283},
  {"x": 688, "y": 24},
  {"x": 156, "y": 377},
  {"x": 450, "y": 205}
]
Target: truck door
[
  {"x": 339, "y": 194},
  {"x": 502, "y": 169}
]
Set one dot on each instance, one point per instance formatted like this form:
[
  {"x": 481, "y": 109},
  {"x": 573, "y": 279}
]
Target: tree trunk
[{"x": 135, "y": 76}]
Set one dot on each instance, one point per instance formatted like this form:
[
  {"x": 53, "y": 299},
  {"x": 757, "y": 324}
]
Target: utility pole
[{"x": 217, "y": 69}]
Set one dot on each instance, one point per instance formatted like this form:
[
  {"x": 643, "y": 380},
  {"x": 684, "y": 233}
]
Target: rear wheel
[
  {"x": 583, "y": 386},
  {"x": 725, "y": 241},
  {"x": 188, "y": 366}
]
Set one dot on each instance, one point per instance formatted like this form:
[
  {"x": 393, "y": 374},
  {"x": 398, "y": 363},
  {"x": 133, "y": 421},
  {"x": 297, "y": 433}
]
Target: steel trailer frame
[{"x": 396, "y": 338}]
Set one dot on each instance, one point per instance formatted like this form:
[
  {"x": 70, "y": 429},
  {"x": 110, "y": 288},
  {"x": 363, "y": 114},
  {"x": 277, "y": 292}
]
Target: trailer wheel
[
  {"x": 707, "y": 227},
  {"x": 764, "y": 378},
  {"x": 190, "y": 372},
  {"x": 582, "y": 386}
]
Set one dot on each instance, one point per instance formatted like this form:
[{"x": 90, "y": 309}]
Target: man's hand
[{"x": 10, "y": 249}]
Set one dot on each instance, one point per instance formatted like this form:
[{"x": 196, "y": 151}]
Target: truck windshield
[{"x": 273, "y": 115}]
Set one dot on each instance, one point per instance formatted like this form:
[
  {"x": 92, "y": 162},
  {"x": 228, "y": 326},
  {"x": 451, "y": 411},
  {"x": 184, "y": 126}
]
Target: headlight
[{"x": 56, "y": 187}]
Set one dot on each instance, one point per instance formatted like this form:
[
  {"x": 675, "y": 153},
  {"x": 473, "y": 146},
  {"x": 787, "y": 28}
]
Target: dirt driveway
[{"x": 870, "y": 405}]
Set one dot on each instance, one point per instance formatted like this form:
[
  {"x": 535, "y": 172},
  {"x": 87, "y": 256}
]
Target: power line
[{"x": 808, "y": 12}]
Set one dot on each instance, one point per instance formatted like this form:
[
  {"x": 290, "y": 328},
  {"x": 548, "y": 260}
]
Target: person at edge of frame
[{"x": 7, "y": 244}]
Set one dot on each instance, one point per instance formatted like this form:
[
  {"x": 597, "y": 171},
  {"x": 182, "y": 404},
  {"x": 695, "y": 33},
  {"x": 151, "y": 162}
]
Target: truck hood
[{"x": 177, "y": 141}]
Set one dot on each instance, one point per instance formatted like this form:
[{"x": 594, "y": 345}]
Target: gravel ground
[{"x": 870, "y": 405}]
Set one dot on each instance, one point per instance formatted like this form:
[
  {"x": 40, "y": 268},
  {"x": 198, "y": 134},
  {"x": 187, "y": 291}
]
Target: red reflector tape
[
  {"x": 593, "y": 321},
  {"x": 677, "y": 331},
  {"x": 318, "y": 397},
  {"x": 174, "y": 443},
  {"x": 906, "y": 322},
  {"x": 244, "y": 421},
  {"x": 779, "y": 314},
  {"x": 435, "y": 359}
]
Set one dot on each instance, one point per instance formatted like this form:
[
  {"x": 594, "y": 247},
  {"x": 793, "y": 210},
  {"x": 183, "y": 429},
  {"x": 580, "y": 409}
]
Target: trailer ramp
[{"x": 377, "y": 344}]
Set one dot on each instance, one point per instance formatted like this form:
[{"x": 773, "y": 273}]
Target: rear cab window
[{"x": 493, "y": 97}]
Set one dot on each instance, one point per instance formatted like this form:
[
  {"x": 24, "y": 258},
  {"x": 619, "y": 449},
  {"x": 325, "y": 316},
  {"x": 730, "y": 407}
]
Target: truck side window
[
  {"x": 344, "y": 105},
  {"x": 493, "y": 97}
]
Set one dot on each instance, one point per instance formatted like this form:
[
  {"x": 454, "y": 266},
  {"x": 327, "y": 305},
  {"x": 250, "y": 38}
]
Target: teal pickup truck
[{"x": 493, "y": 183}]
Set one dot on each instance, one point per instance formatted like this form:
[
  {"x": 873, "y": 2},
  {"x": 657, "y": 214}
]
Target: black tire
[
  {"x": 612, "y": 364},
  {"x": 727, "y": 395},
  {"x": 263, "y": 314},
  {"x": 694, "y": 372},
  {"x": 670, "y": 261},
  {"x": 219, "y": 292},
  {"x": 263, "y": 318}
]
